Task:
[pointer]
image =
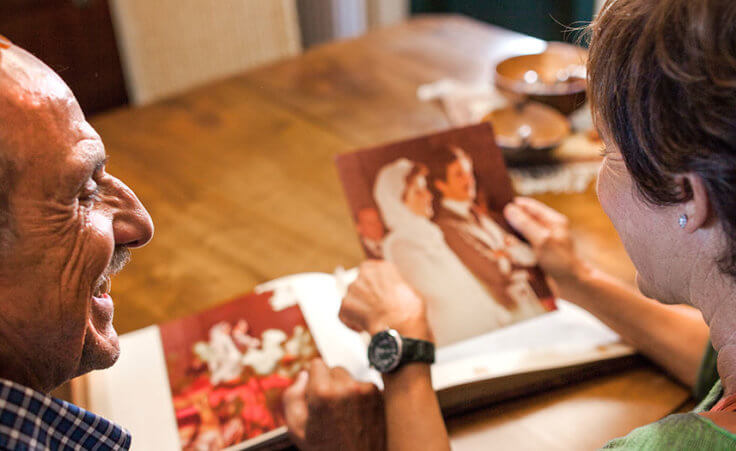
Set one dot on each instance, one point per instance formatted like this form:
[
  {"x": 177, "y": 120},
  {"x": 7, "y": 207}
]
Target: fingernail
[
  {"x": 511, "y": 212},
  {"x": 301, "y": 380}
]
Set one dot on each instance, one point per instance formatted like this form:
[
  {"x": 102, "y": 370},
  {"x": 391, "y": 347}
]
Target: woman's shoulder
[
  {"x": 724, "y": 420},
  {"x": 684, "y": 431}
]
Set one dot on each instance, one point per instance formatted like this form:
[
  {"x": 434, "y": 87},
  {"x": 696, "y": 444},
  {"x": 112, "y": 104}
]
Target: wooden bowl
[
  {"x": 528, "y": 129},
  {"x": 556, "y": 76}
]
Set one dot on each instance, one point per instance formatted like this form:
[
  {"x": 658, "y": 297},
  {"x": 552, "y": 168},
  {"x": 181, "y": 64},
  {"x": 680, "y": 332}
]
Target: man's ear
[
  {"x": 440, "y": 185},
  {"x": 697, "y": 208}
]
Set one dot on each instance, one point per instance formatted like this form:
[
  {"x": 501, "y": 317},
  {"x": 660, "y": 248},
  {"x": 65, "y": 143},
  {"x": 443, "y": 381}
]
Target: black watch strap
[{"x": 413, "y": 350}]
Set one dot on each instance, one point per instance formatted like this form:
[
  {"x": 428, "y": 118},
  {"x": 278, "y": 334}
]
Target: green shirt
[{"x": 685, "y": 431}]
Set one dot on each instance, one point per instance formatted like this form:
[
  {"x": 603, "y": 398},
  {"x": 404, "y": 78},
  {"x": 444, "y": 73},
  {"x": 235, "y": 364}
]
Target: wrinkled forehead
[{"x": 40, "y": 120}]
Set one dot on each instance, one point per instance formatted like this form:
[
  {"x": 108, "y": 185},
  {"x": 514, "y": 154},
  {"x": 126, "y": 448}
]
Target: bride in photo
[{"x": 458, "y": 306}]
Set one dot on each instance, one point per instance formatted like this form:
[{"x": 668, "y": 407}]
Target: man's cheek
[
  {"x": 99, "y": 241},
  {"x": 87, "y": 258}
]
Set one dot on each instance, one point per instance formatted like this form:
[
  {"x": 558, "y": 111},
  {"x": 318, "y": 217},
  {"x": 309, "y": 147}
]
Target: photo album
[{"x": 433, "y": 207}]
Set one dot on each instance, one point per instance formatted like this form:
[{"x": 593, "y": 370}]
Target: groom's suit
[{"x": 481, "y": 248}]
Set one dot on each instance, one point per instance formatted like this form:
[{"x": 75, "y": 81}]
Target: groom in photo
[{"x": 496, "y": 257}]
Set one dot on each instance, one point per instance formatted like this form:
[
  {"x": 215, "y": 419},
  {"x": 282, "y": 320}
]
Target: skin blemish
[{"x": 4, "y": 42}]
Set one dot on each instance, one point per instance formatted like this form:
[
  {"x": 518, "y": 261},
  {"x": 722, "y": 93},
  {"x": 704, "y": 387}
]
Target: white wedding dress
[{"x": 458, "y": 306}]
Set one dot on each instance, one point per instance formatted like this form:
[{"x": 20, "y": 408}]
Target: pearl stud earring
[{"x": 682, "y": 220}]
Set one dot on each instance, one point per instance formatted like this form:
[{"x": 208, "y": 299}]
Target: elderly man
[{"x": 65, "y": 228}]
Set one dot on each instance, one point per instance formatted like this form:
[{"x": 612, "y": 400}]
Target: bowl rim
[
  {"x": 547, "y": 144},
  {"x": 574, "y": 86}
]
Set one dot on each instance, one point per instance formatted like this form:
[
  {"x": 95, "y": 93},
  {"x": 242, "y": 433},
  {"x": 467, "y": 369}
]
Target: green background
[{"x": 545, "y": 19}]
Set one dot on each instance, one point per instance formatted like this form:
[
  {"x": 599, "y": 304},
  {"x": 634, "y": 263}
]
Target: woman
[
  {"x": 663, "y": 85},
  {"x": 458, "y": 306}
]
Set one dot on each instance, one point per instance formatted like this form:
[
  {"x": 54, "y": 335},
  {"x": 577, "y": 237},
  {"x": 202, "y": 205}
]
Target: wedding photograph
[{"x": 443, "y": 229}]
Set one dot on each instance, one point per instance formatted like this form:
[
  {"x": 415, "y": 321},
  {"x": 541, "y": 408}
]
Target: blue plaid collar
[{"x": 32, "y": 420}]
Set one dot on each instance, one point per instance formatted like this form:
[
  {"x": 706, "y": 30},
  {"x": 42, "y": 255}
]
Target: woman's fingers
[
  {"x": 541, "y": 212},
  {"x": 523, "y": 222}
]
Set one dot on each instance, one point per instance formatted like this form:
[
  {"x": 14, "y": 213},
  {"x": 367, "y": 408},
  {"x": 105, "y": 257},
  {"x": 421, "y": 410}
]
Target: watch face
[{"x": 384, "y": 352}]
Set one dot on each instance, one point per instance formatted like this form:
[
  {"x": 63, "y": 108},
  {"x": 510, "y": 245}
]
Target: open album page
[{"x": 159, "y": 395}]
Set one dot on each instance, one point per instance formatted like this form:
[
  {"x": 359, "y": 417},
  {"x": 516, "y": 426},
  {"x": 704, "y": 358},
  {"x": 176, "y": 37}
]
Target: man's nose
[{"x": 132, "y": 225}]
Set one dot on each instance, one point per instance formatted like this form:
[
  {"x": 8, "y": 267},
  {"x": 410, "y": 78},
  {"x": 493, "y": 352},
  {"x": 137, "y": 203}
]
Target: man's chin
[{"x": 101, "y": 349}]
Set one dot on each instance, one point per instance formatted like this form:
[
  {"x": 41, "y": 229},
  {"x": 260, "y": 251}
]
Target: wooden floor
[{"x": 239, "y": 178}]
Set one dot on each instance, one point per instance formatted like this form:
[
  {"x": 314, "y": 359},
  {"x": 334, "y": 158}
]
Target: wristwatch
[{"x": 389, "y": 350}]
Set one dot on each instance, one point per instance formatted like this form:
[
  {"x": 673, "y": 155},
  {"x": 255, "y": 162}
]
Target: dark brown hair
[
  {"x": 442, "y": 158},
  {"x": 663, "y": 84}
]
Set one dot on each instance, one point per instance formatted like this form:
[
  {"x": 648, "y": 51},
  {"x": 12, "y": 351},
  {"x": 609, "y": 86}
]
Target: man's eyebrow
[
  {"x": 101, "y": 162},
  {"x": 96, "y": 164}
]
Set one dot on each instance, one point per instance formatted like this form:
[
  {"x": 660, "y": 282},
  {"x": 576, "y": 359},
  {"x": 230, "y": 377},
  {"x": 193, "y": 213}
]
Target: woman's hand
[
  {"x": 380, "y": 299},
  {"x": 548, "y": 233}
]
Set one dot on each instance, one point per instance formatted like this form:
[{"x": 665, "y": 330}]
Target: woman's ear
[{"x": 697, "y": 207}]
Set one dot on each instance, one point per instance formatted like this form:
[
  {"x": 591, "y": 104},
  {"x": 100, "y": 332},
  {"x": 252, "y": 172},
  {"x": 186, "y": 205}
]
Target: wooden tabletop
[{"x": 239, "y": 178}]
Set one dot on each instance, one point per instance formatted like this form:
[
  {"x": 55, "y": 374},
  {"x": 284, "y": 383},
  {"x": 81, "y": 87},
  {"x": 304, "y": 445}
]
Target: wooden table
[{"x": 239, "y": 178}]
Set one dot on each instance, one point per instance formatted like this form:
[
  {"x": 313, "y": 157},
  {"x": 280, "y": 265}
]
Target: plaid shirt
[{"x": 30, "y": 420}]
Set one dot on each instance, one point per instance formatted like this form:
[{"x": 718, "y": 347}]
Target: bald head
[
  {"x": 36, "y": 107},
  {"x": 27, "y": 75}
]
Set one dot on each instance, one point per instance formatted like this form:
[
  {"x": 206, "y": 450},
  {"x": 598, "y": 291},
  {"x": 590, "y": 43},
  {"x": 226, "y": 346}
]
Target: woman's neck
[
  {"x": 727, "y": 368},
  {"x": 717, "y": 303}
]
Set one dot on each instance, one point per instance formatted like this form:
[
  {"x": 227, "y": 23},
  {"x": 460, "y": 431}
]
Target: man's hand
[
  {"x": 548, "y": 232},
  {"x": 380, "y": 299},
  {"x": 327, "y": 409}
]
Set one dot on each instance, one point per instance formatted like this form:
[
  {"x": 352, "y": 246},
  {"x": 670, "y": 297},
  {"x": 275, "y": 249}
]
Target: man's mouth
[
  {"x": 103, "y": 287},
  {"x": 120, "y": 258}
]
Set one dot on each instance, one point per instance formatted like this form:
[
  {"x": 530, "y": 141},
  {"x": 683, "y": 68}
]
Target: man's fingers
[
  {"x": 318, "y": 370},
  {"x": 295, "y": 408},
  {"x": 540, "y": 211},
  {"x": 351, "y": 324},
  {"x": 296, "y": 391},
  {"x": 319, "y": 378},
  {"x": 341, "y": 375},
  {"x": 368, "y": 389},
  {"x": 525, "y": 224},
  {"x": 348, "y": 315}
]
